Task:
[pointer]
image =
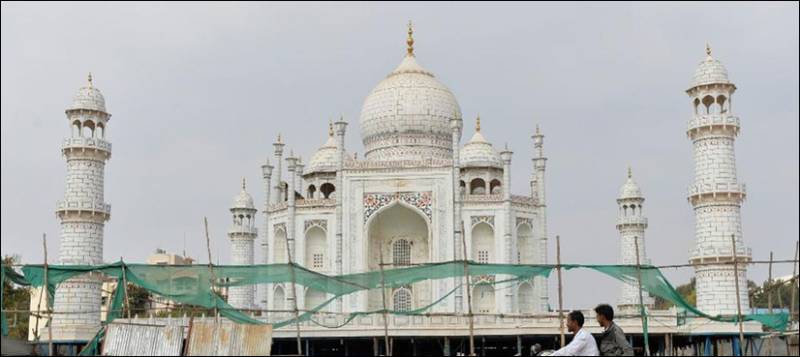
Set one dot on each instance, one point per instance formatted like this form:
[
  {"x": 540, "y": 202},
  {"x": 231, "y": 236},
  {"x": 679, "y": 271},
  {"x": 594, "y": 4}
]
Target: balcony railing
[
  {"x": 94, "y": 143},
  {"x": 83, "y": 206},
  {"x": 702, "y": 120}
]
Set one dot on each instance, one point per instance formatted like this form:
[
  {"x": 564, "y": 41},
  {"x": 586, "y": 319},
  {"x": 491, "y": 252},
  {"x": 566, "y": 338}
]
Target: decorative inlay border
[
  {"x": 479, "y": 219},
  {"x": 375, "y": 201}
]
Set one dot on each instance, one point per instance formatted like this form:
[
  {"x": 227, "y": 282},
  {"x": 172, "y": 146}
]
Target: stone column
[
  {"x": 277, "y": 197},
  {"x": 458, "y": 249},
  {"x": 540, "y": 232},
  {"x": 340, "y": 127},
  {"x": 266, "y": 174},
  {"x": 508, "y": 236}
]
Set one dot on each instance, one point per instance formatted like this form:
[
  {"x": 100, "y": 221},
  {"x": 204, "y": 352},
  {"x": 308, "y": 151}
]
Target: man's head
[
  {"x": 604, "y": 314},
  {"x": 574, "y": 321}
]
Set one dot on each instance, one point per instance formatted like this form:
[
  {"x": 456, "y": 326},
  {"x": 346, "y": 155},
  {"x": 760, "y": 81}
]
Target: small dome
[
  {"x": 324, "y": 160},
  {"x": 88, "y": 97},
  {"x": 630, "y": 189},
  {"x": 243, "y": 199},
  {"x": 478, "y": 152},
  {"x": 710, "y": 71}
]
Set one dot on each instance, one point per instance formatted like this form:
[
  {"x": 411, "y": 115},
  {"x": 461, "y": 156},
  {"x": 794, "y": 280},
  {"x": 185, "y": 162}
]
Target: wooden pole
[
  {"x": 125, "y": 286},
  {"x": 794, "y": 288},
  {"x": 39, "y": 305},
  {"x": 210, "y": 267},
  {"x": 769, "y": 301},
  {"x": 383, "y": 298},
  {"x": 294, "y": 297},
  {"x": 49, "y": 303},
  {"x": 560, "y": 293},
  {"x": 469, "y": 296},
  {"x": 738, "y": 299},
  {"x": 641, "y": 299}
]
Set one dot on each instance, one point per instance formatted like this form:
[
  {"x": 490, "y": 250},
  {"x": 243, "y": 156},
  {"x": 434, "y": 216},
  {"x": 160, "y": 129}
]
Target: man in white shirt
[{"x": 583, "y": 344}]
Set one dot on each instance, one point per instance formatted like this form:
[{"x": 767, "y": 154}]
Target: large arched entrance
[{"x": 399, "y": 234}]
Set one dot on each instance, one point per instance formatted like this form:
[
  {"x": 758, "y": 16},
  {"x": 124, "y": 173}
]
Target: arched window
[
  {"x": 401, "y": 299},
  {"x": 311, "y": 190},
  {"x": 477, "y": 187},
  {"x": 315, "y": 248},
  {"x": 526, "y": 246},
  {"x": 696, "y": 105},
  {"x": 482, "y": 243},
  {"x": 88, "y": 129},
  {"x": 495, "y": 187},
  {"x": 278, "y": 299},
  {"x": 101, "y": 131},
  {"x": 327, "y": 189},
  {"x": 462, "y": 187},
  {"x": 76, "y": 128},
  {"x": 314, "y": 298},
  {"x": 526, "y": 303},
  {"x": 401, "y": 252},
  {"x": 484, "y": 298},
  {"x": 721, "y": 101},
  {"x": 279, "y": 247},
  {"x": 707, "y": 102}
]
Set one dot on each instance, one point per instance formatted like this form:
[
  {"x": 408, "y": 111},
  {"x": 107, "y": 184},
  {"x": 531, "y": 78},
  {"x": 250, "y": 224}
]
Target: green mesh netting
[{"x": 193, "y": 284}]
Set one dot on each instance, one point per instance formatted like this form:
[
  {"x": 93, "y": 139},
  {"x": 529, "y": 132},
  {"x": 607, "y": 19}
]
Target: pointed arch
[{"x": 316, "y": 244}]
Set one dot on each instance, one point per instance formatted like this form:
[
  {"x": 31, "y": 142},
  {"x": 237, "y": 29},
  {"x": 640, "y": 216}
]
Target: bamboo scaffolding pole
[
  {"x": 738, "y": 299},
  {"x": 560, "y": 293},
  {"x": 793, "y": 310},
  {"x": 125, "y": 286},
  {"x": 383, "y": 298},
  {"x": 641, "y": 298},
  {"x": 212, "y": 279},
  {"x": 469, "y": 296},
  {"x": 294, "y": 297},
  {"x": 769, "y": 301},
  {"x": 39, "y": 305},
  {"x": 49, "y": 303}
]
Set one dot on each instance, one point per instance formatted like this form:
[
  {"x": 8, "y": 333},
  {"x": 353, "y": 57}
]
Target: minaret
[
  {"x": 456, "y": 125},
  {"x": 277, "y": 196},
  {"x": 508, "y": 244},
  {"x": 242, "y": 234},
  {"x": 266, "y": 174},
  {"x": 540, "y": 231},
  {"x": 716, "y": 194},
  {"x": 83, "y": 213},
  {"x": 631, "y": 224},
  {"x": 341, "y": 127}
]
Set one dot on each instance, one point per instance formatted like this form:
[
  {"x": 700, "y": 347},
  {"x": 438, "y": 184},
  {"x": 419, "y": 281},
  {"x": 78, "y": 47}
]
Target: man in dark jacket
[{"x": 612, "y": 341}]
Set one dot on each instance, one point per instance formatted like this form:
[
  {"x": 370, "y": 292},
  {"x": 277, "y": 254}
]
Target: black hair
[
  {"x": 576, "y": 316},
  {"x": 605, "y": 310}
]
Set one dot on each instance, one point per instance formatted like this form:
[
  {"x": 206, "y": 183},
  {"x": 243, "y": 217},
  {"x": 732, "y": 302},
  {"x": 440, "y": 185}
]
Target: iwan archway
[{"x": 399, "y": 234}]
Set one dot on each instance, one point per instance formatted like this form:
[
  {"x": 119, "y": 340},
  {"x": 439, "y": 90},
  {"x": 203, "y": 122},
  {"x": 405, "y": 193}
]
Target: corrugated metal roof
[
  {"x": 142, "y": 340},
  {"x": 211, "y": 339}
]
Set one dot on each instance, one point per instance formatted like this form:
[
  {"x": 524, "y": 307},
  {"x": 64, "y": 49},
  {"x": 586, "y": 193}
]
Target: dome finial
[
  {"x": 410, "y": 40},
  {"x": 630, "y": 173},
  {"x": 537, "y": 130},
  {"x": 330, "y": 128},
  {"x": 708, "y": 50},
  {"x": 280, "y": 140},
  {"x": 90, "y": 79},
  {"x": 244, "y": 184},
  {"x": 478, "y": 123}
]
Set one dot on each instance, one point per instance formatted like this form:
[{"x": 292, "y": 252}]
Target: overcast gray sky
[{"x": 199, "y": 92}]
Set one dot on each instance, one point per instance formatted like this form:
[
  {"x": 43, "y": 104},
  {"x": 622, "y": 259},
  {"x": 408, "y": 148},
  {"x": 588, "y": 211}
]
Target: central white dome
[{"x": 407, "y": 116}]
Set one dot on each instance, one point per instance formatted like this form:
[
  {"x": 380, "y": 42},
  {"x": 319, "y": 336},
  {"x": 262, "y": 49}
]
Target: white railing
[
  {"x": 631, "y": 220},
  {"x": 702, "y": 120},
  {"x": 86, "y": 142},
  {"x": 83, "y": 206},
  {"x": 716, "y": 187}
]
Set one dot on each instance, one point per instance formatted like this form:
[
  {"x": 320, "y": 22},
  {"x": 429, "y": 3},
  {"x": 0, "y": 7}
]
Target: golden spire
[
  {"x": 280, "y": 141},
  {"x": 90, "y": 79},
  {"x": 410, "y": 40},
  {"x": 330, "y": 128},
  {"x": 537, "y": 130},
  {"x": 630, "y": 173},
  {"x": 478, "y": 123},
  {"x": 708, "y": 50},
  {"x": 244, "y": 184}
]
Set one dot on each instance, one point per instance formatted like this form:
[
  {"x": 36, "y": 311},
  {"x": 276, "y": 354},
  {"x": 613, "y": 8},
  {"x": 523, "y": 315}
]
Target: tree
[
  {"x": 16, "y": 302},
  {"x": 687, "y": 292}
]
